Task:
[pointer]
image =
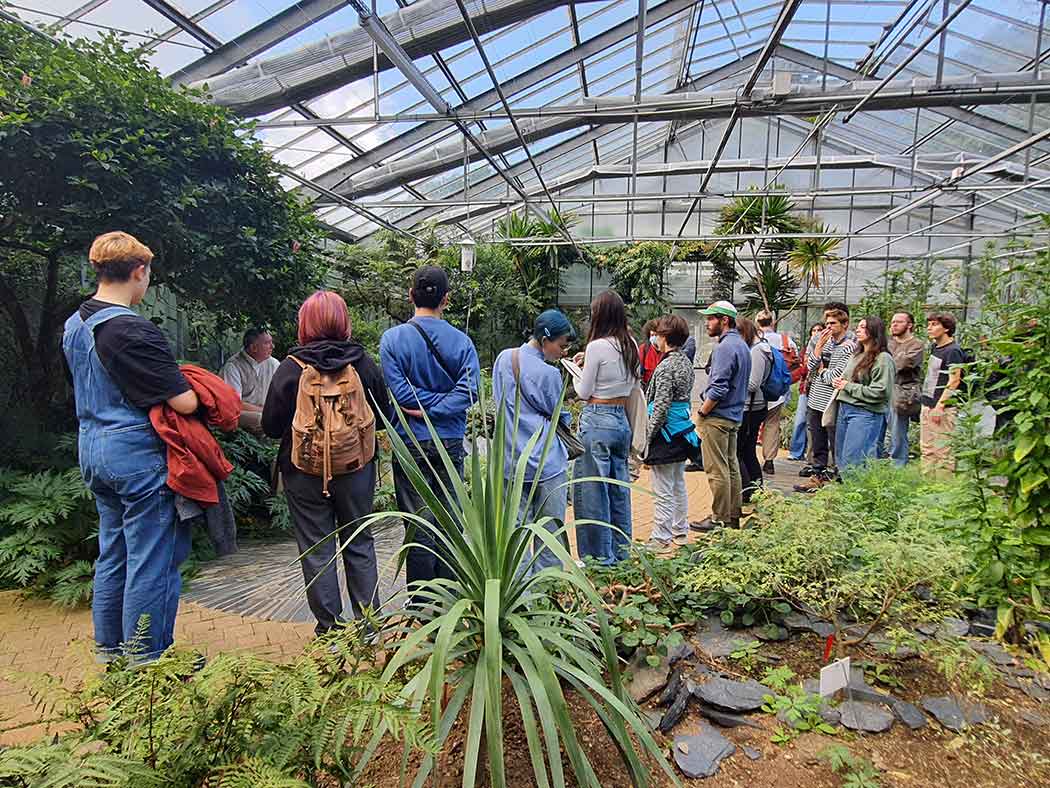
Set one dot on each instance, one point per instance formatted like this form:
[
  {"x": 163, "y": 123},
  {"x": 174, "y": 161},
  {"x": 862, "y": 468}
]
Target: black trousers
[
  {"x": 821, "y": 439},
  {"x": 747, "y": 452},
  {"x": 424, "y": 561},
  {"x": 315, "y": 518}
]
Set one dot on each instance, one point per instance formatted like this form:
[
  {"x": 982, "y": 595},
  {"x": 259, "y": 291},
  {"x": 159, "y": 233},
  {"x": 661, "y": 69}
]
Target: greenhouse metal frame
[{"x": 916, "y": 129}]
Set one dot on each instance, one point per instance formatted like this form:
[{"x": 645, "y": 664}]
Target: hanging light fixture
[{"x": 466, "y": 254}]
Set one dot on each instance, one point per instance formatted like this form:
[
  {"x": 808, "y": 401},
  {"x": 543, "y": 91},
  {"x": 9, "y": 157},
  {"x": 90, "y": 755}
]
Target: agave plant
[{"x": 494, "y": 623}]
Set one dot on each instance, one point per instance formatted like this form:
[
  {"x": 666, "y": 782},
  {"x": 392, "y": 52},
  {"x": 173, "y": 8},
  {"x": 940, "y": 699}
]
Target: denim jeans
[
  {"x": 897, "y": 427},
  {"x": 856, "y": 435},
  {"x": 549, "y": 499},
  {"x": 424, "y": 560},
  {"x": 141, "y": 544},
  {"x": 606, "y": 437},
  {"x": 798, "y": 433}
]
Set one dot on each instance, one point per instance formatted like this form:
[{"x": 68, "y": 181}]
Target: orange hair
[{"x": 323, "y": 316}]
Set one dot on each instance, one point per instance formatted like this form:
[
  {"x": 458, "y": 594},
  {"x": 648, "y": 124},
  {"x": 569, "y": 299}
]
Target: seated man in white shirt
[{"x": 249, "y": 372}]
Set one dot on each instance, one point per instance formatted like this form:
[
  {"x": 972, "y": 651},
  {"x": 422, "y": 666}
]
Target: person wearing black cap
[
  {"x": 429, "y": 366},
  {"x": 528, "y": 383}
]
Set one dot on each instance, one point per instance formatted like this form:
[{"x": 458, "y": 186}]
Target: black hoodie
[{"x": 325, "y": 355}]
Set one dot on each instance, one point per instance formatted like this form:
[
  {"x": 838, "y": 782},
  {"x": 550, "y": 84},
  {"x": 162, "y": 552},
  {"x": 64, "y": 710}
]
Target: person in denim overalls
[{"x": 124, "y": 463}]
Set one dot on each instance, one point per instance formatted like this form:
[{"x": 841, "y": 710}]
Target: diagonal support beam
[
  {"x": 534, "y": 76},
  {"x": 787, "y": 13},
  {"x": 388, "y": 45},
  {"x": 260, "y": 38},
  {"x": 176, "y": 17}
]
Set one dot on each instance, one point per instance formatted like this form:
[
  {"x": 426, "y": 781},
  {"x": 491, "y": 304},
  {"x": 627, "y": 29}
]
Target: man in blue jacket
[
  {"x": 721, "y": 414},
  {"x": 429, "y": 366}
]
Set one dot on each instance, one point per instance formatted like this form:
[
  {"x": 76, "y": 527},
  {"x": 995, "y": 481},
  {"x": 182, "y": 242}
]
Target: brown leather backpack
[{"x": 333, "y": 429}]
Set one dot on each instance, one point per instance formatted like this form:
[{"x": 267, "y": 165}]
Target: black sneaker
[
  {"x": 768, "y": 468},
  {"x": 811, "y": 470},
  {"x": 693, "y": 467},
  {"x": 706, "y": 525}
]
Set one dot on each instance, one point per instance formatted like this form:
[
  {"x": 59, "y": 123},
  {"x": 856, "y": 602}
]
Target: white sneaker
[
  {"x": 658, "y": 544},
  {"x": 681, "y": 539}
]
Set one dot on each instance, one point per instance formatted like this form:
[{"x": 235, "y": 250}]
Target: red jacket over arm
[{"x": 196, "y": 463}]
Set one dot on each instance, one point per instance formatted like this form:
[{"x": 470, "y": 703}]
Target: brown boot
[{"x": 811, "y": 485}]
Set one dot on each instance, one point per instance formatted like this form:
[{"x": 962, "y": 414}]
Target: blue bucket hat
[{"x": 552, "y": 324}]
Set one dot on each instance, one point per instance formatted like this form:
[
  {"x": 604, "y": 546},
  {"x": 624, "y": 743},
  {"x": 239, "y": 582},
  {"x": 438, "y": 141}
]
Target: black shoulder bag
[{"x": 434, "y": 351}]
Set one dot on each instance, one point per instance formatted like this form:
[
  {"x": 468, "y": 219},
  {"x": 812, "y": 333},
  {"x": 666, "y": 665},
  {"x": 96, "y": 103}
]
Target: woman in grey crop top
[{"x": 610, "y": 371}]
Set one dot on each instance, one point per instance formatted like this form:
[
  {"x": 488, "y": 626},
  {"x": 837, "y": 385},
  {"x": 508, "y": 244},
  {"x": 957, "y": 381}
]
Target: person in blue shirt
[
  {"x": 523, "y": 378},
  {"x": 721, "y": 415},
  {"x": 429, "y": 366}
]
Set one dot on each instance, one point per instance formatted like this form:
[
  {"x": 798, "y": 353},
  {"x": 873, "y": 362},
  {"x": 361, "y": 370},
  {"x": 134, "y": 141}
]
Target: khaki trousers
[
  {"x": 935, "y": 443},
  {"x": 718, "y": 446},
  {"x": 771, "y": 434}
]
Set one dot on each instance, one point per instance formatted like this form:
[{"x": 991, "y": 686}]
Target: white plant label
[{"x": 834, "y": 677}]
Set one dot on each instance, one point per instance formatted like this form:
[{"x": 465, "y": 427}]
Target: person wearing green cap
[
  {"x": 528, "y": 385},
  {"x": 721, "y": 415}
]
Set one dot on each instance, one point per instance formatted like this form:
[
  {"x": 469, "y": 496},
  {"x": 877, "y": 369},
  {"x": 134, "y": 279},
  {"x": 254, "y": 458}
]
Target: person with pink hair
[{"x": 326, "y": 522}]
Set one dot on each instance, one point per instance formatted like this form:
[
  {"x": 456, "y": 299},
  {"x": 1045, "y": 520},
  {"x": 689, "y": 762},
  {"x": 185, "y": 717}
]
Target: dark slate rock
[
  {"x": 716, "y": 641},
  {"x": 1034, "y": 691},
  {"x": 799, "y": 622},
  {"x": 1034, "y": 719},
  {"x": 751, "y": 752},
  {"x": 770, "y": 633},
  {"x": 952, "y": 714},
  {"x": 993, "y": 652},
  {"x": 727, "y": 720},
  {"x": 700, "y": 755},
  {"x": 674, "y": 685},
  {"x": 910, "y": 714},
  {"x": 646, "y": 680},
  {"x": 946, "y": 628},
  {"x": 675, "y": 711},
  {"x": 652, "y": 718},
  {"x": 683, "y": 651},
  {"x": 867, "y": 717},
  {"x": 732, "y": 695}
]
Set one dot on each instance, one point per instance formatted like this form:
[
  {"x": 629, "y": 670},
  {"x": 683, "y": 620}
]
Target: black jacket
[{"x": 325, "y": 355}]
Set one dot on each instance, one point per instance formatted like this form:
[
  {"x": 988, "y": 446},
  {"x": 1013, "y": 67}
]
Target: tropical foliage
[
  {"x": 776, "y": 266},
  {"x": 93, "y": 139},
  {"x": 492, "y": 625},
  {"x": 1009, "y": 474},
  {"x": 238, "y": 721}
]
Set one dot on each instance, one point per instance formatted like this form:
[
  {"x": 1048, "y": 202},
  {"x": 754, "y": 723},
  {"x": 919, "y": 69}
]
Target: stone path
[{"x": 252, "y": 600}]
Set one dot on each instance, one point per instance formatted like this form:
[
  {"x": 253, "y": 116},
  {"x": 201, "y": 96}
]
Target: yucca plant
[{"x": 495, "y": 621}]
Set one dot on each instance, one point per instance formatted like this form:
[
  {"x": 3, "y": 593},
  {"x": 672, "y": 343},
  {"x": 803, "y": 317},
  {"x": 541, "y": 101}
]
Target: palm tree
[
  {"x": 810, "y": 256},
  {"x": 763, "y": 217},
  {"x": 775, "y": 289}
]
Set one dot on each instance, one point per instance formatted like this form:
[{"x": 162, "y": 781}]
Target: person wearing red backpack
[
  {"x": 771, "y": 424},
  {"x": 324, "y": 383}
]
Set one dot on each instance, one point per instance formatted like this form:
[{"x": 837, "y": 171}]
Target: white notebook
[{"x": 573, "y": 368}]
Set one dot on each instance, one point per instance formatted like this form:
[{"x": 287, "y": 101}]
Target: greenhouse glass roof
[{"x": 915, "y": 128}]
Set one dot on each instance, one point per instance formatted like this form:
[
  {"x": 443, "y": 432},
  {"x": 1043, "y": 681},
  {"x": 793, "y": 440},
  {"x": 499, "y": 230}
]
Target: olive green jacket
[{"x": 874, "y": 390}]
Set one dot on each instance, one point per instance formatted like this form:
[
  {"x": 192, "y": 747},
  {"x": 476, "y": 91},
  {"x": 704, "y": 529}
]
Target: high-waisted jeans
[{"x": 606, "y": 437}]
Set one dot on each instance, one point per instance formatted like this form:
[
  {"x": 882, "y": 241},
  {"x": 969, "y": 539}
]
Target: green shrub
[
  {"x": 48, "y": 526},
  {"x": 239, "y": 721},
  {"x": 856, "y": 550}
]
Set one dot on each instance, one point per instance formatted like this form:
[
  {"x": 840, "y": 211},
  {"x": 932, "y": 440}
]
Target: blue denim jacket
[
  {"x": 541, "y": 386},
  {"x": 727, "y": 380}
]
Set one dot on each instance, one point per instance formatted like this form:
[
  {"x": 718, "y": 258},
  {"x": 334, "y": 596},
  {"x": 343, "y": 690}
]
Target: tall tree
[{"x": 92, "y": 139}]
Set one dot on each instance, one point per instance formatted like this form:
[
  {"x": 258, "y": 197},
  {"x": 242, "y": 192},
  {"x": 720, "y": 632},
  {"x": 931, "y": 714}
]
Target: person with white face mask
[{"x": 672, "y": 437}]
